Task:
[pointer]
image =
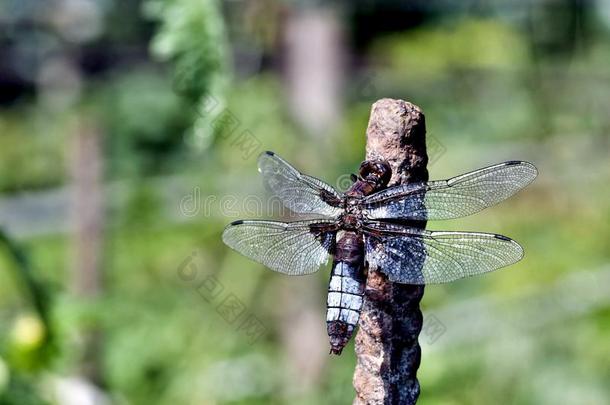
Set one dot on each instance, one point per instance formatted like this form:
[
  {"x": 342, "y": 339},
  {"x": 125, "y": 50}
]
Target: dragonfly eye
[{"x": 378, "y": 172}]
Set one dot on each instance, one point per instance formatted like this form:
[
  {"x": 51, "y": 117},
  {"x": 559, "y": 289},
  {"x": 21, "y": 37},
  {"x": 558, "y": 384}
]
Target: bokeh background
[{"x": 129, "y": 132}]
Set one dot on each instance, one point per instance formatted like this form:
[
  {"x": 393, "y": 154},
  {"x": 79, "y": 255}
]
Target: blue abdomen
[{"x": 345, "y": 293}]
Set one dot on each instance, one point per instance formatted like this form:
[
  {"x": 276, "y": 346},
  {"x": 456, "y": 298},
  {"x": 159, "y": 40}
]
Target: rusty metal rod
[{"x": 387, "y": 349}]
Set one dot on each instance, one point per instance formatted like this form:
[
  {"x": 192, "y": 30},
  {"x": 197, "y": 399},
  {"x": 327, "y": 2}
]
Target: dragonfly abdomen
[{"x": 345, "y": 291}]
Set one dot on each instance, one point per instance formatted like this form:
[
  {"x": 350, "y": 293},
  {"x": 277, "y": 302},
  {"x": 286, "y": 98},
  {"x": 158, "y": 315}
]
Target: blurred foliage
[
  {"x": 481, "y": 79},
  {"x": 30, "y": 157},
  {"x": 136, "y": 143},
  {"x": 191, "y": 35},
  {"x": 29, "y": 346},
  {"x": 494, "y": 86},
  {"x": 457, "y": 45}
]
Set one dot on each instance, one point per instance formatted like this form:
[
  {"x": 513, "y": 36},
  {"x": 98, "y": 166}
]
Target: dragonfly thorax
[{"x": 352, "y": 218}]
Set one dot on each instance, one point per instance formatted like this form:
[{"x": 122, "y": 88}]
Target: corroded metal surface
[{"x": 387, "y": 349}]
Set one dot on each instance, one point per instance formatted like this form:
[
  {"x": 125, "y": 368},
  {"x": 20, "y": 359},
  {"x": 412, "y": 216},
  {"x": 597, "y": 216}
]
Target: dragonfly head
[{"x": 376, "y": 172}]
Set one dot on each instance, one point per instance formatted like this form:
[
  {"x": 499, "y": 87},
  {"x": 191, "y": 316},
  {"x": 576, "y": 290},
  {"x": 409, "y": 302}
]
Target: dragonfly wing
[
  {"x": 293, "y": 248},
  {"x": 417, "y": 256},
  {"x": 453, "y": 198},
  {"x": 298, "y": 192}
]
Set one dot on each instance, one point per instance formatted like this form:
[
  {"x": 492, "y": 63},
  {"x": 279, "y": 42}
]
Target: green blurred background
[{"x": 129, "y": 132}]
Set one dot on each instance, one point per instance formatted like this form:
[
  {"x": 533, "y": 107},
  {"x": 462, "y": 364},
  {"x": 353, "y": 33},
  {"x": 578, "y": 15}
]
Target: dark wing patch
[
  {"x": 293, "y": 248},
  {"x": 416, "y": 256},
  {"x": 400, "y": 258},
  {"x": 453, "y": 198}
]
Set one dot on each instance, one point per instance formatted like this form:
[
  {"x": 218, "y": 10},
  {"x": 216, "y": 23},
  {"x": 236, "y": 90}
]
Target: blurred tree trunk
[
  {"x": 314, "y": 67},
  {"x": 87, "y": 218}
]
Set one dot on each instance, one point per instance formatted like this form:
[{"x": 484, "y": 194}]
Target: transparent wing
[
  {"x": 293, "y": 248},
  {"x": 300, "y": 193},
  {"x": 457, "y": 197},
  {"x": 416, "y": 256}
]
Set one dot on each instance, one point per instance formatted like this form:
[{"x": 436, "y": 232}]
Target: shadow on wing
[
  {"x": 457, "y": 197},
  {"x": 417, "y": 256}
]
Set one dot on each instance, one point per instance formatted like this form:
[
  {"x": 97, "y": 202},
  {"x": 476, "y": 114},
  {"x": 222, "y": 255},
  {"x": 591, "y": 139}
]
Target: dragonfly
[{"x": 373, "y": 227}]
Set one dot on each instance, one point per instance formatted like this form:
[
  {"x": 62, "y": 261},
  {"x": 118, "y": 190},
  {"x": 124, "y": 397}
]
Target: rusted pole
[{"x": 387, "y": 350}]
